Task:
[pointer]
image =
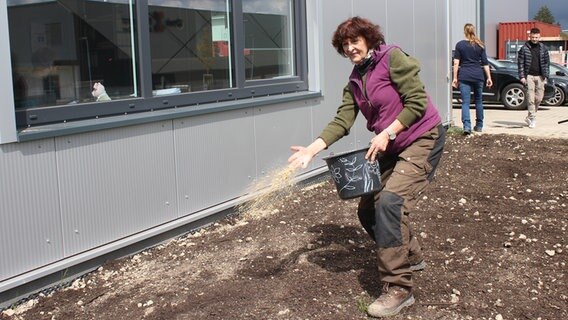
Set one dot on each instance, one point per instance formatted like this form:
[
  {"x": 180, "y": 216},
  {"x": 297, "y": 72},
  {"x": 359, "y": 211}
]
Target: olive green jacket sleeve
[
  {"x": 404, "y": 74},
  {"x": 343, "y": 120}
]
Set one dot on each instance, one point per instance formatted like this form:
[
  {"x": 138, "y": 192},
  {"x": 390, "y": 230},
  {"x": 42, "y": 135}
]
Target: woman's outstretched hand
[{"x": 301, "y": 157}]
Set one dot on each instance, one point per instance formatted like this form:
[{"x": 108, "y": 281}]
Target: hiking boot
[
  {"x": 391, "y": 301},
  {"x": 418, "y": 266},
  {"x": 477, "y": 129}
]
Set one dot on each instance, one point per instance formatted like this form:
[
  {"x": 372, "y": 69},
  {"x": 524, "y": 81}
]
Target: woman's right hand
[
  {"x": 455, "y": 83},
  {"x": 301, "y": 157}
]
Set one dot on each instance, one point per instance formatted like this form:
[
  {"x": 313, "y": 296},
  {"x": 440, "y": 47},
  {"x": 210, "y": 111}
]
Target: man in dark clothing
[{"x": 534, "y": 64}]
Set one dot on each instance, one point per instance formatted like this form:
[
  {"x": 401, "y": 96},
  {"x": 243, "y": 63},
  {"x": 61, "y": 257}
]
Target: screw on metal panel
[
  {"x": 47, "y": 240},
  {"x": 167, "y": 203},
  {"x": 76, "y": 231},
  {"x": 186, "y": 196}
]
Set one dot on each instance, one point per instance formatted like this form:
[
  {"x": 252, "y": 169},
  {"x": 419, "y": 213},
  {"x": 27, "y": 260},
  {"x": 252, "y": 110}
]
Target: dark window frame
[{"x": 146, "y": 104}]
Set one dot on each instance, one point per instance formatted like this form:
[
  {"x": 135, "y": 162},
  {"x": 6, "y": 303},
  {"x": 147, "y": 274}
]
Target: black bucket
[{"x": 353, "y": 175}]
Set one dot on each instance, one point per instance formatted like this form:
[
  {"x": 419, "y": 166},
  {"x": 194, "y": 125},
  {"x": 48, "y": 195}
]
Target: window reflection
[
  {"x": 61, "y": 49},
  {"x": 190, "y": 45},
  {"x": 269, "y": 36}
]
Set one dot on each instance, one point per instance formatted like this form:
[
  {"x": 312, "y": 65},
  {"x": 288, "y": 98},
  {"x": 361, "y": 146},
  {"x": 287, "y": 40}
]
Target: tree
[{"x": 544, "y": 15}]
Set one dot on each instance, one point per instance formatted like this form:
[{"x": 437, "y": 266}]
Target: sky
[{"x": 558, "y": 8}]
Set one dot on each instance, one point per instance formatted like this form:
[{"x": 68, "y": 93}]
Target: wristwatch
[{"x": 391, "y": 134}]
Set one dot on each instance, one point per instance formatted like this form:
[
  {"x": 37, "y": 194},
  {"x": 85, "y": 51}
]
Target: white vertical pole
[{"x": 8, "y": 131}]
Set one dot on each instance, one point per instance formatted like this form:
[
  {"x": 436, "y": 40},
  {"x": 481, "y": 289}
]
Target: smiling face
[{"x": 356, "y": 49}]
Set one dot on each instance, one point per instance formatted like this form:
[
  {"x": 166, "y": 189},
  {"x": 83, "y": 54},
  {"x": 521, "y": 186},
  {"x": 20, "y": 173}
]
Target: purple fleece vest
[{"x": 383, "y": 103}]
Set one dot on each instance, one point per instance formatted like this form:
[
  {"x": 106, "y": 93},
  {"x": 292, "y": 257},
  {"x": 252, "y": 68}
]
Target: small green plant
[
  {"x": 453, "y": 130},
  {"x": 362, "y": 305}
]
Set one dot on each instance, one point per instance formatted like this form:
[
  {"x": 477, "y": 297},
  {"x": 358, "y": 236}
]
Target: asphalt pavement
[{"x": 500, "y": 120}]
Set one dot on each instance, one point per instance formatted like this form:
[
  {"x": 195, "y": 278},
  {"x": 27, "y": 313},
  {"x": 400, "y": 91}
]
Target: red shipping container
[{"x": 518, "y": 32}]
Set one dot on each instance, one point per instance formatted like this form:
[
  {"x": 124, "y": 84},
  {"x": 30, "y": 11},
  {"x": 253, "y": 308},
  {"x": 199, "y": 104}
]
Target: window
[
  {"x": 268, "y": 27},
  {"x": 190, "y": 46},
  {"x": 60, "y": 49},
  {"x": 85, "y": 59}
]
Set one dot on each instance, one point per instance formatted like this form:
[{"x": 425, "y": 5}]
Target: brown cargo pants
[{"x": 384, "y": 215}]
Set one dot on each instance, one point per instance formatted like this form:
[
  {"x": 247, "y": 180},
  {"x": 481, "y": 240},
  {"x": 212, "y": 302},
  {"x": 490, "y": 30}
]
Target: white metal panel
[
  {"x": 277, "y": 127},
  {"x": 462, "y": 12},
  {"x": 315, "y": 45},
  {"x": 433, "y": 53},
  {"x": 115, "y": 183},
  {"x": 442, "y": 97},
  {"x": 400, "y": 25},
  {"x": 215, "y": 158},
  {"x": 30, "y": 232}
]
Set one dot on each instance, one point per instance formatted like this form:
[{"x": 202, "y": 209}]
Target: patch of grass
[
  {"x": 362, "y": 305},
  {"x": 455, "y": 130}
]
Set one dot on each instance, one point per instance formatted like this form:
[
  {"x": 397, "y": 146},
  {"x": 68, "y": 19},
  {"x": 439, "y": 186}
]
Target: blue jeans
[{"x": 466, "y": 87}]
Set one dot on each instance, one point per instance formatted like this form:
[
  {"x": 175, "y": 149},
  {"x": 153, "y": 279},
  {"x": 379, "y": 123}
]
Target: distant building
[
  {"x": 512, "y": 35},
  {"x": 486, "y": 16}
]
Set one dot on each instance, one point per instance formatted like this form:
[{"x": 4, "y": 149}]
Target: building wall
[
  {"x": 512, "y": 35},
  {"x": 462, "y": 12},
  {"x": 500, "y": 11},
  {"x": 71, "y": 198}
]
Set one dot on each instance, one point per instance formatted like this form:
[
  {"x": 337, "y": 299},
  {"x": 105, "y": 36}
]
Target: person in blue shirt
[{"x": 470, "y": 64}]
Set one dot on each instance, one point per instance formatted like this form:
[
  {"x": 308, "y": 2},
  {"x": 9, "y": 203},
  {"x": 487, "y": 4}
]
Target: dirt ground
[{"x": 492, "y": 225}]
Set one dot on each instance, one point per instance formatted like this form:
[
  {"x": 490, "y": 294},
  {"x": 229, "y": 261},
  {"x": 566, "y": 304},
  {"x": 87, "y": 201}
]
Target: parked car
[
  {"x": 507, "y": 87},
  {"x": 559, "y": 74},
  {"x": 509, "y": 63}
]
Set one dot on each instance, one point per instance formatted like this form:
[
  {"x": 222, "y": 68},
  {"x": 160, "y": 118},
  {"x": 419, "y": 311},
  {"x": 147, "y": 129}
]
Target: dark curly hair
[{"x": 354, "y": 27}]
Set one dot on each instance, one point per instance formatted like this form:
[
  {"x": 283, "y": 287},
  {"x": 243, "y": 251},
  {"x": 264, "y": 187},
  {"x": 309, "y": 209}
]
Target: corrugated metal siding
[
  {"x": 434, "y": 59},
  {"x": 400, "y": 23},
  {"x": 462, "y": 12},
  {"x": 30, "y": 229},
  {"x": 291, "y": 122},
  {"x": 115, "y": 183},
  {"x": 513, "y": 31},
  {"x": 215, "y": 158}
]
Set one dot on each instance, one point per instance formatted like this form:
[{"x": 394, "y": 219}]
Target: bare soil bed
[{"x": 492, "y": 225}]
